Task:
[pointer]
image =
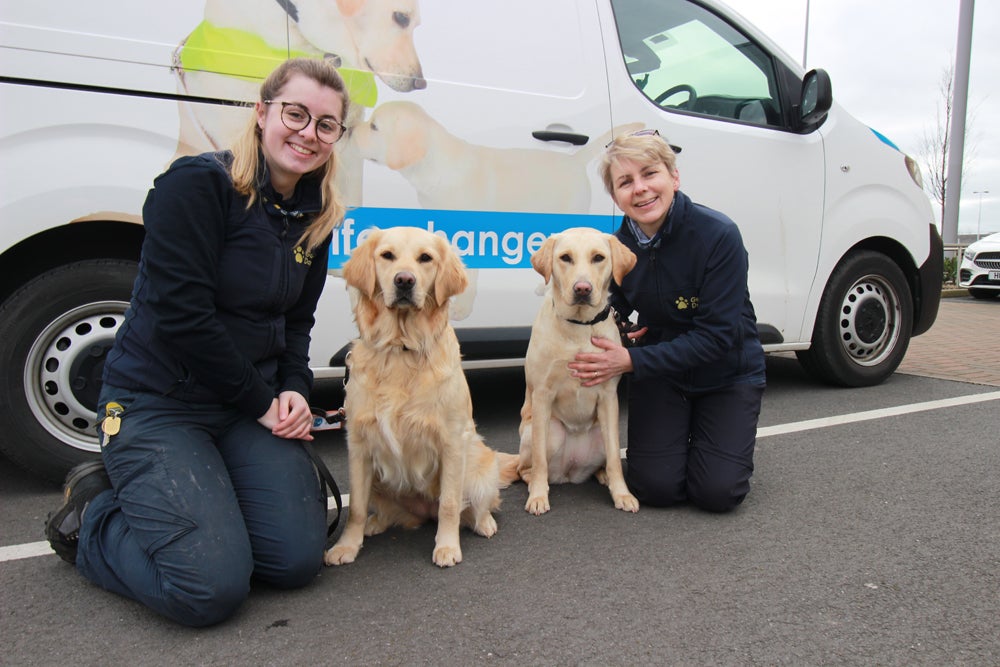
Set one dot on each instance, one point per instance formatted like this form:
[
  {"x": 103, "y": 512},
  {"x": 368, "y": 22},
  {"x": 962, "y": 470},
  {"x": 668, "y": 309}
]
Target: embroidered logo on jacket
[
  {"x": 303, "y": 257},
  {"x": 683, "y": 303}
]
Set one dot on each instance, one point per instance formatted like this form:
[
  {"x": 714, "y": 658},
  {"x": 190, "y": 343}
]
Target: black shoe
[{"x": 62, "y": 527}]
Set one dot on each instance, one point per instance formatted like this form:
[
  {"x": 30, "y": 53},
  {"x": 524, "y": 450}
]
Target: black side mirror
[{"x": 817, "y": 98}]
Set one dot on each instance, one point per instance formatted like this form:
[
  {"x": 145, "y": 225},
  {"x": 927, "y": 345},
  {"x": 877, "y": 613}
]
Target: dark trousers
[
  {"x": 204, "y": 499},
  {"x": 691, "y": 447}
]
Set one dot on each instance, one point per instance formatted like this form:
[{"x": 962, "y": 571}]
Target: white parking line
[{"x": 32, "y": 549}]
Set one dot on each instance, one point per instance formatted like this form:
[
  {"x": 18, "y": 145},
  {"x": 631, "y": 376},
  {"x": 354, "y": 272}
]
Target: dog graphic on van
[
  {"x": 238, "y": 44},
  {"x": 450, "y": 173}
]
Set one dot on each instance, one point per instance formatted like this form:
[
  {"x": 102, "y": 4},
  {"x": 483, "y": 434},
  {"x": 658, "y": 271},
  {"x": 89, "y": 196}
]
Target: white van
[{"x": 481, "y": 121}]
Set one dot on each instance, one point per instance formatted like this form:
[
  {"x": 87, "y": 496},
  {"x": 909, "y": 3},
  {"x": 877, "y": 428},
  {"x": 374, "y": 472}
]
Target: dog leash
[{"x": 329, "y": 485}]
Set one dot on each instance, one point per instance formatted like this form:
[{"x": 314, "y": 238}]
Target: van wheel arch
[
  {"x": 60, "y": 326},
  {"x": 864, "y": 322}
]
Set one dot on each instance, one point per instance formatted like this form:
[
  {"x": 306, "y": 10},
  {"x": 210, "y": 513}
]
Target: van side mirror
[{"x": 817, "y": 98}]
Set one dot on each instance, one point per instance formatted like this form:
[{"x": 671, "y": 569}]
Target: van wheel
[
  {"x": 864, "y": 323},
  {"x": 59, "y": 327}
]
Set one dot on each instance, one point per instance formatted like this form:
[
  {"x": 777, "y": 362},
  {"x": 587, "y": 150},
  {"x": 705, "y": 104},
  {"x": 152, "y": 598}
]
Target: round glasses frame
[{"x": 296, "y": 117}]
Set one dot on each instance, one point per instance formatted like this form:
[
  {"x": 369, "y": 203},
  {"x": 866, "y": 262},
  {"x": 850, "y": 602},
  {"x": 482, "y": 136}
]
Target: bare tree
[{"x": 935, "y": 145}]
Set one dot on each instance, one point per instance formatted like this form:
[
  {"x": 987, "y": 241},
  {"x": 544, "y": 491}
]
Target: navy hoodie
[
  {"x": 223, "y": 304},
  {"x": 689, "y": 286}
]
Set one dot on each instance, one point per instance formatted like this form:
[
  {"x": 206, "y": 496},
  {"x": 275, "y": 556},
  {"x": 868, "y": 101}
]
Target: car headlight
[{"x": 970, "y": 254}]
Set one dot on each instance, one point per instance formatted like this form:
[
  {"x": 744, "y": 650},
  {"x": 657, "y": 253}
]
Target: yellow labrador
[
  {"x": 570, "y": 432},
  {"x": 413, "y": 450}
]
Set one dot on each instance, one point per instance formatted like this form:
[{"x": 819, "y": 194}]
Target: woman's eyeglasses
[{"x": 296, "y": 117}]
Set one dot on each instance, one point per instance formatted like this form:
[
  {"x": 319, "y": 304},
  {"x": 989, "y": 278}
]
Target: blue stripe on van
[
  {"x": 884, "y": 139},
  {"x": 484, "y": 239}
]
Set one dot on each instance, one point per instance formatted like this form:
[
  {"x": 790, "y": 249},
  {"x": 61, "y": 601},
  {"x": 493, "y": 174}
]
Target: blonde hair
[
  {"x": 246, "y": 149},
  {"x": 646, "y": 148}
]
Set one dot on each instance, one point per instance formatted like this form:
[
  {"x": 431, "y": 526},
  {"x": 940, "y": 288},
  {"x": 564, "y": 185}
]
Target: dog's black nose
[{"x": 404, "y": 280}]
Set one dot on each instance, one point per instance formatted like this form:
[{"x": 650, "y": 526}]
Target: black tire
[
  {"x": 58, "y": 329},
  {"x": 978, "y": 293},
  {"x": 864, "y": 323}
]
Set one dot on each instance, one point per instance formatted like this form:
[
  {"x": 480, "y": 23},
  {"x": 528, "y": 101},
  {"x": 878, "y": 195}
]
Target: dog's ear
[
  {"x": 359, "y": 269},
  {"x": 541, "y": 260},
  {"x": 622, "y": 259},
  {"x": 452, "y": 278},
  {"x": 350, "y": 7}
]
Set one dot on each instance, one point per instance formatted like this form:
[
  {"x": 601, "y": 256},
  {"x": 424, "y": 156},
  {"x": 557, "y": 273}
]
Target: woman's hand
[
  {"x": 593, "y": 368},
  {"x": 289, "y": 417}
]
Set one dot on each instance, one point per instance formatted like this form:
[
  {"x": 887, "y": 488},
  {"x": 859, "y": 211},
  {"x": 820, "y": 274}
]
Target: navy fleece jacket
[
  {"x": 223, "y": 304},
  {"x": 689, "y": 286}
]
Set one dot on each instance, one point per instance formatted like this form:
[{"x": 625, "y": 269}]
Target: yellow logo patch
[
  {"x": 683, "y": 303},
  {"x": 303, "y": 257}
]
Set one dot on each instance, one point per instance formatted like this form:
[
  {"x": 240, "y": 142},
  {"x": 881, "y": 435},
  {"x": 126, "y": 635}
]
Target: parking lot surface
[{"x": 869, "y": 537}]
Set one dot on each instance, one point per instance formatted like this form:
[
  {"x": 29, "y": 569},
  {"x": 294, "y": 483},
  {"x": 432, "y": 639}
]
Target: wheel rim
[
  {"x": 62, "y": 376},
  {"x": 869, "y": 321}
]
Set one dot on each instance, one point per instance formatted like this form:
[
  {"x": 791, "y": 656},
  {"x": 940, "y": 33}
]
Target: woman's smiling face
[
  {"x": 644, "y": 192},
  {"x": 292, "y": 153}
]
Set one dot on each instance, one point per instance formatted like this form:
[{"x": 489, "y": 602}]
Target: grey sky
[{"x": 886, "y": 59}]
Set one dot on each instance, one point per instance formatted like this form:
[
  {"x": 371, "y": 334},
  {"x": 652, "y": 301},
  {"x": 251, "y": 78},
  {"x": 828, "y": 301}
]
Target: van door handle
[{"x": 568, "y": 137}]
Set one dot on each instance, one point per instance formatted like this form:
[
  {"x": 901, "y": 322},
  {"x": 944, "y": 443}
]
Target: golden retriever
[
  {"x": 413, "y": 450},
  {"x": 570, "y": 432}
]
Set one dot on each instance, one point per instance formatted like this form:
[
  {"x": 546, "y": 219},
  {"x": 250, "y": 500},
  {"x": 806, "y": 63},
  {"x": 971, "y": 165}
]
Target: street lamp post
[{"x": 979, "y": 220}]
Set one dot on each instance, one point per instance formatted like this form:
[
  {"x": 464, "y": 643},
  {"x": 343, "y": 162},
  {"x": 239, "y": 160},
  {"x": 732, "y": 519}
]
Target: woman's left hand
[
  {"x": 294, "y": 417},
  {"x": 593, "y": 368}
]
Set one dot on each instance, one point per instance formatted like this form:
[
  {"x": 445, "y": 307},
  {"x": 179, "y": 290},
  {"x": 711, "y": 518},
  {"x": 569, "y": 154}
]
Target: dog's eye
[
  {"x": 388, "y": 256},
  {"x": 424, "y": 258},
  {"x": 566, "y": 257},
  {"x": 374, "y": 126},
  {"x": 597, "y": 259},
  {"x": 401, "y": 19}
]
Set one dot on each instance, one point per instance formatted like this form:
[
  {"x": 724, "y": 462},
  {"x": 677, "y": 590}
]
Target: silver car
[{"x": 980, "y": 270}]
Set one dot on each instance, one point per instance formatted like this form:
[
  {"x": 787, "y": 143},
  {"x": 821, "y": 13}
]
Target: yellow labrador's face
[
  {"x": 581, "y": 268},
  {"x": 406, "y": 268},
  {"x": 581, "y": 262}
]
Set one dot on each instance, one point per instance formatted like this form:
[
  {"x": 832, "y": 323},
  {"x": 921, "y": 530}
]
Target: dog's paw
[
  {"x": 486, "y": 526},
  {"x": 537, "y": 505},
  {"x": 601, "y": 476},
  {"x": 340, "y": 555},
  {"x": 447, "y": 556},
  {"x": 374, "y": 525},
  {"x": 626, "y": 502}
]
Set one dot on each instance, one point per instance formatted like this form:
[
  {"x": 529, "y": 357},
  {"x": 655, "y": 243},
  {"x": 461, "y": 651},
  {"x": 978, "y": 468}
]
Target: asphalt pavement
[{"x": 870, "y": 537}]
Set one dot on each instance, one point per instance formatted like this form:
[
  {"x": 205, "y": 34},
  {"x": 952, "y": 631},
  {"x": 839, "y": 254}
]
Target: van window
[{"x": 684, "y": 58}]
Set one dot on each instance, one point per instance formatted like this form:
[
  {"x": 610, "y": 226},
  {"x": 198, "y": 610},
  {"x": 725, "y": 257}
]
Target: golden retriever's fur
[
  {"x": 414, "y": 451},
  {"x": 570, "y": 432}
]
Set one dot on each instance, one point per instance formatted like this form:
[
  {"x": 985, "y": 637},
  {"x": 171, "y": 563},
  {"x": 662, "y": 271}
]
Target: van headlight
[{"x": 914, "y": 169}]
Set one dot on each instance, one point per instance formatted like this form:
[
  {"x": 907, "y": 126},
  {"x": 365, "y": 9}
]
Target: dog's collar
[
  {"x": 245, "y": 55},
  {"x": 601, "y": 316}
]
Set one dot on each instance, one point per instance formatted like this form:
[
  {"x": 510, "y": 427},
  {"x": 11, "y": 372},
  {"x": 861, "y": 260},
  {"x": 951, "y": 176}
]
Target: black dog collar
[{"x": 601, "y": 316}]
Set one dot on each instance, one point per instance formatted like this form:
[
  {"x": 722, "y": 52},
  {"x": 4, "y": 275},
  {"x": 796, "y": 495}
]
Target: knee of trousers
[
  {"x": 296, "y": 572},
  {"x": 718, "y": 497},
  {"x": 654, "y": 485},
  {"x": 212, "y": 599}
]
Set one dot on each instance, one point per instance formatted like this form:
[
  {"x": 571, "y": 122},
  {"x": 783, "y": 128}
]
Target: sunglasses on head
[{"x": 648, "y": 132}]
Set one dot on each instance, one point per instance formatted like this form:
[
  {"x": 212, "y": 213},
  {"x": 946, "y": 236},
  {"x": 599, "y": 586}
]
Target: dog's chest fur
[{"x": 400, "y": 423}]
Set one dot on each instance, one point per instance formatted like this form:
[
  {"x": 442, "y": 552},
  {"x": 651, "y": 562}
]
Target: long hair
[{"x": 247, "y": 155}]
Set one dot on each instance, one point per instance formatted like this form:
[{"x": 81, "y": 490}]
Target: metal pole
[
  {"x": 805, "y": 40},
  {"x": 979, "y": 218},
  {"x": 956, "y": 145}
]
